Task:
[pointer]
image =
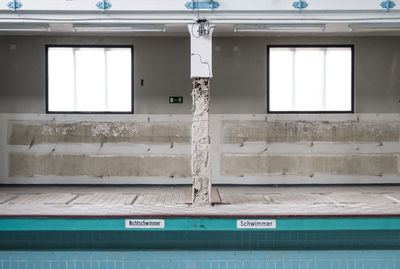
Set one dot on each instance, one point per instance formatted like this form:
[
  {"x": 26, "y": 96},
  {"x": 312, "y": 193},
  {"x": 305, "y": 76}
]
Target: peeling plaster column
[
  {"x": 201, "y": 73},
  {"x": 201, "y": 168}
]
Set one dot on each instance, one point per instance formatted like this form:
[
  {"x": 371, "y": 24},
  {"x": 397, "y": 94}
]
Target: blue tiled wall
[
  {"x": 369, "y": 259},
  {"x": 105, "y": 240}
]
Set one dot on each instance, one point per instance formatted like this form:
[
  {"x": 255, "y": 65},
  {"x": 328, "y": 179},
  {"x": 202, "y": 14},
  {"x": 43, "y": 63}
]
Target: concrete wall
[
  {"x": 239, "y": 67},
  {"x": 155, "y": 149},
  {"x": 153, "y": 146}
]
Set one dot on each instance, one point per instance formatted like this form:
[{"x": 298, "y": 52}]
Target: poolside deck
[{"x": 255, "y": 202}]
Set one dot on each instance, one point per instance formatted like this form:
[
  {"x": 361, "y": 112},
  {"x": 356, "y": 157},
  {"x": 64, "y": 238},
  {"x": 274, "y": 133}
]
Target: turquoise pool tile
[
  {"x": 214, "y": 265},
  {"x": 269, "y": 265},
  {"x": 279, "y": 265},
  {"x": 102, "y": 265},
  {"x": 247, "y": 264},
  {"x": 169, "y": 255},
  {"x": 343, "y": 264},
  {"x": 97, "y": 256},
  {"x": 67, "y": 255},
  {"x": 5, "y": 255},
  {"x": 199, "y": 265},
  {"x": 295, "y": 264},
  {"x": 303, "y": 265},
  {"x": 287, "y": 265},
  {"x": 275, "y": 255},
  {"x": 82, "y": 255},
  {"x": 130, "y": 265},
  {"x": 311, "y": 265},
  {"x": 46, "y": 264},
  {"x": 175, "y": 265},
  {"x": 359, "y": 265},
  {"x": 143, "y": 265},
  {"x": 323, "y": 265},
  {"x": 388, "y": 254},
  {"x": 206, "y": 265},
  {"x": 390, "y": 265},
  {"x": 78, "y": 265},
  {"x": 325, "y": 255},
  {"x": 351, "y": 264},
  {"x": 226, "y": 255},
  {"x": 154, "y": 265},
  {"x": 6, "y": 264},
  {"x": 71, "y": 264},
  {"x": 258, "y": 255},
  {"x": 110, "y": 265},
  {"x": 335, "y": 264},
  {"x": 22, "y": 265},
  {"x": 34, "y": 256},
  {"x": 118, "y": 264},
  {"x": 210, "y": 255},
  {"x": 94, "y": 264},
  {"x": 239, "y": 265},
  {"x": 190, "y": 255},
  {"x": 114, "y": 255},
  {"x": 34, "y": 265},
  {"x": 18, "y": 255},
  {"x": 223, "y": 265},
  {"x": 230, "y": 265},
  {"x": 61, "y": 265},
  {"x": 131, "y": 255},
  {"x": 86, "y": 265},
  {"x": 307, "y": 255},
  {"x": 243, "y": 255}
]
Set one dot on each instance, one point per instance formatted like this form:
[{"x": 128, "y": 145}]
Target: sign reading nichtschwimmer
[
  {"x": 144, "y": 224},
  {"x": 255, "y": 224}
]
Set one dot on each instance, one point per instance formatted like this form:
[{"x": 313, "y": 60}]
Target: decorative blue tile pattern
[{"x": 176, "y": 259}]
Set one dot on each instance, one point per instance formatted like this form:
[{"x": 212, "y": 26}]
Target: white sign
[
  {"x": 255, "y": 224},
  {"x": 144, "y": 224}
]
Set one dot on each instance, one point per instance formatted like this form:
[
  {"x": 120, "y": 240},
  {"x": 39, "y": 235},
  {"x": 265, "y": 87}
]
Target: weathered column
[
  {"x": 201, "y": 73},
  {"x": 201, "y": 168}
]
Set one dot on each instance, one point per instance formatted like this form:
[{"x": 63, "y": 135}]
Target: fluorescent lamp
[
  {"x": 372, "y": 27},
  {"x": 279, "y": 28},
  {"x": 23, "y": 27},
  {"x": 119, "y": 28}
]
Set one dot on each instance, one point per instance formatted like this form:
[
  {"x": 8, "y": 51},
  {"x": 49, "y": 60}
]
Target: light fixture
[
  {"x": 24, "y": 27},
  {"x": 374, "y": 27},
  {"x": 279, "y": 28},
  {"x": 119, "y": 28}
]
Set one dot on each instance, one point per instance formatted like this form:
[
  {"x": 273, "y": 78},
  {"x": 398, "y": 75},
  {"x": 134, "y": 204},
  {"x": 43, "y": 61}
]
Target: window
[
  {"x": 89, "y": 79},
  {"x": 310, "y": 79}
]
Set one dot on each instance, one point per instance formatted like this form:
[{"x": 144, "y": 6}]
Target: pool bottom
[{"x": 201, "y": 259}]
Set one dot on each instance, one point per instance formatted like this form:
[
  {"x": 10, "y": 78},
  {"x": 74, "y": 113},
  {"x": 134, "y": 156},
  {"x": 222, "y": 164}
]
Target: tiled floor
[{"x": 173, "y": 201}]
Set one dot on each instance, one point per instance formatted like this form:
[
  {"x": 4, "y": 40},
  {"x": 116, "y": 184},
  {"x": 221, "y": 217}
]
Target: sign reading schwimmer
[
  {"x": 144, "y": 224},
  {"x": 255, "y": 224}
]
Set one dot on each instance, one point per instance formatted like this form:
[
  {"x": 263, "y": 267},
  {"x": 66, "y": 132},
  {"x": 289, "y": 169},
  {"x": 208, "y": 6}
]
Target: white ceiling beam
[
  {"x": 175, "y": 12},
  {"x": 179, "y": 5}
]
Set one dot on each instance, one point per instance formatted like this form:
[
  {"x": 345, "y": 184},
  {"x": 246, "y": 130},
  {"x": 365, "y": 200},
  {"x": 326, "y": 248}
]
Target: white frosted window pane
[
  {"x": 119, "y": 79},
  {"x": 310, "y": 79},
  {"x": 281, "y": 79},
  {"x": 338, "y": 79},
  {"x": 61, "y": 79},
  {"x": 90, "y": 79}
]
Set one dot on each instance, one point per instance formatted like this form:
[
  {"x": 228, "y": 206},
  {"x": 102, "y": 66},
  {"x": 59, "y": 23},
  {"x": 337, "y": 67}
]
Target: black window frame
[
  {"x": 351, "y": 46},
  {"x": 47, "y": 46}
]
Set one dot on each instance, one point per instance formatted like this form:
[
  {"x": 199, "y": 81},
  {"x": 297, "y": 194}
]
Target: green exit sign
[{"x": 176, "y": 99}]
